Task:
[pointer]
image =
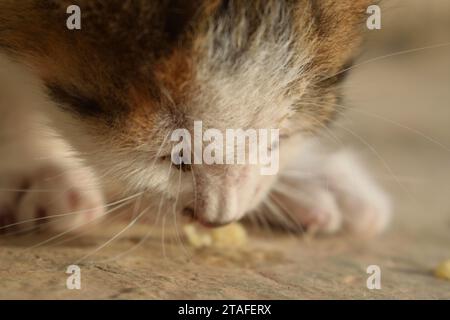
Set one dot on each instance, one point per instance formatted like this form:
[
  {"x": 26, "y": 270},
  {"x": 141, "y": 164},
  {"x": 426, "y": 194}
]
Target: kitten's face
[{"x": 140, "y": 69}]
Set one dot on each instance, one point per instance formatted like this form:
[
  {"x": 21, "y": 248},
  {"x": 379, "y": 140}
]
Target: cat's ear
[{"x": 339, "y": 27}]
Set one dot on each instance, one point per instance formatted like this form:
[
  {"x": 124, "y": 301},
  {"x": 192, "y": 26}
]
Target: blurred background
[
  {"x": 398, "y": 118},
  {"x": 399, "y": 111}
]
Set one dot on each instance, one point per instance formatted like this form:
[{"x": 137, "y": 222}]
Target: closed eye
[
  {"x": 339, "y": 77},
  {"x": 74, "y": 101},
  {"x": 276, "y": 144}
]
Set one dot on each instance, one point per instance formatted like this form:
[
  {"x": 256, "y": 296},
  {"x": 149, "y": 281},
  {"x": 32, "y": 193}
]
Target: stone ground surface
[{"x": 401, "y": 127}]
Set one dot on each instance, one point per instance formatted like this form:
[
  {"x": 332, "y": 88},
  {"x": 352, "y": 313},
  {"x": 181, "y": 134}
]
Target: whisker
[
  {"x": 378, "y": 156},
  {"x": 163, "y": 225},
  {"x": 76, "y": 227},
  {"x": 36, "y": 190},
  {"x": 298, "y": 174},
  {"x": 390, "y": 55},
  {"x": 137, "y": 245},
  {"x": 328, "y": 131},
  {"x": 268, "y": 214},
  {"x": 114, "y": 237},
  {"x": 145, "y": 237},
  {"x": 85, "y": 230},
  {"x": 71, "y": 213},
  {"x": 194, "y": 185},
  {"x": 174, "y": 213},
  {"x": 288, "y": 213},
  {"x": 387, "y": 120},
  {"x": 402, "y": 126},
  {"x": 133, "y": 221}
]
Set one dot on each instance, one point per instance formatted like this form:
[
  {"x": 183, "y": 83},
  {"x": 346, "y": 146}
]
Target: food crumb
[
  {"x": 443, "y": 270},
  {"x": 349, "y": 279},
  {"x": 229, "y": 236}
]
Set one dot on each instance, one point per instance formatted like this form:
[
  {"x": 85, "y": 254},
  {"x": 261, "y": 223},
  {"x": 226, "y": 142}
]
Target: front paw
[
  {"x": 366, "y": 208},
  {"x": 338, "y": 196},
  {"x": 52, "y": 197}
]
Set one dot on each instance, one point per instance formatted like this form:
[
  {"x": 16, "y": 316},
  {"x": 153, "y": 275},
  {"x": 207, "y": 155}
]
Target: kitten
[{"x": 85, "y": 109}]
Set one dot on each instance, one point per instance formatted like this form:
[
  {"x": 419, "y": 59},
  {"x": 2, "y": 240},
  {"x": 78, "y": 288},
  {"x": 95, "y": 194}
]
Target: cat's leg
[
  {"x": 366, "y": 208},
  {"x": 332, "y": 192},
  {"x": 41, "y": 183},
  {"x": 42, "y": 188}
]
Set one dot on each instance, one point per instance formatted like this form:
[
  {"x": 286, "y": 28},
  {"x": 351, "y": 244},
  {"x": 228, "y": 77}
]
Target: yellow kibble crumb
[
  {"x": 232, "y": 235},
  {"x": 443, "y": 270},
  {"x": 197, "y": 238}
]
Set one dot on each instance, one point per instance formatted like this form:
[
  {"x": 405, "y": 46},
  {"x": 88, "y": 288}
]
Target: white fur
[
  {"x": 33, "y": 156},
  {"x": 330, "y": 192}
]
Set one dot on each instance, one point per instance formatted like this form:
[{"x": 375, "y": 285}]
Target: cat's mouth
[{"x": 190, "y": 214}]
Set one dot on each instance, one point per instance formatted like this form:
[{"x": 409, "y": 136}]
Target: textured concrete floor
[{"x": 402, "y": 129}]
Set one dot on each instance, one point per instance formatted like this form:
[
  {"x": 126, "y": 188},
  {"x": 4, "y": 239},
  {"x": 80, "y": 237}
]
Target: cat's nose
[{"x": 221, "y": 194}]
